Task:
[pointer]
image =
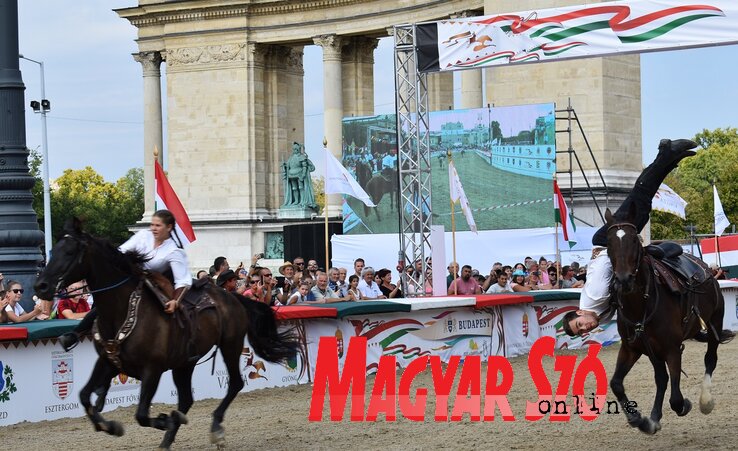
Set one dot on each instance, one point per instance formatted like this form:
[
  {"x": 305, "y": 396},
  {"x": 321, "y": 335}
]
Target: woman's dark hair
[
  {"x": 383, "y": 272},
  {"x": 9, "y": 284},
  {"x": 167, "y": 218},
  {"x": 353, "y": 277}
]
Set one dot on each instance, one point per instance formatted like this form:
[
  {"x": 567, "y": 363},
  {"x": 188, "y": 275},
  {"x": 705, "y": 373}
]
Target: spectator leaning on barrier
[
  {"x": 388, "y": 289},
  {"x": 502, "y": 286},
  {"x": 353, "y": 289},
  {"x": 368, "y": 287},
  {"x": 322, "y": 292},
  {"x": 74, "y": 306},
  {"x": 14, "y": 310},
  {"x": 518, "y": 281},
  {"x": 568, "y": 280},
  {"x": 301, "y": 295},
  {"x": 466, "y": 284},
  {"x": 3, "y": 303}
]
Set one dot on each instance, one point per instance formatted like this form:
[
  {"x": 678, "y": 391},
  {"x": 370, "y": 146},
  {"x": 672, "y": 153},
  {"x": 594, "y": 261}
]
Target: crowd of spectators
[
  {"x": 304, "y": 281},
  {"x": 299, "y": 282}
]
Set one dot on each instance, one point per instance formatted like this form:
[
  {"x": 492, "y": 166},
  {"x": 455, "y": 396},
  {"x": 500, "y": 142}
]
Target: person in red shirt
[{"x": 75, "y": 305}]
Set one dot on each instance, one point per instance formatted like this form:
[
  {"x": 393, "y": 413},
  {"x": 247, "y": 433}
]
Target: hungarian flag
[
  {"x": 562, "y": 216},
  {"x": 166, "y": 199}
]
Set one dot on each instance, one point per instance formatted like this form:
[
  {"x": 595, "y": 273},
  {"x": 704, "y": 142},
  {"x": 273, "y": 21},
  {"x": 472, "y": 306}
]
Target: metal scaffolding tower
[{"x": 413, "y": 158}]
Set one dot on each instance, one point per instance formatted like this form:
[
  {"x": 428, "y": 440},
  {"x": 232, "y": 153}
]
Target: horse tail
[{"x": 264, "y": 337}]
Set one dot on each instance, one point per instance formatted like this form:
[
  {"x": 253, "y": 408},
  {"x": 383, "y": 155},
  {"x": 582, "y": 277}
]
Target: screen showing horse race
[{"x": 505, "y": 158}]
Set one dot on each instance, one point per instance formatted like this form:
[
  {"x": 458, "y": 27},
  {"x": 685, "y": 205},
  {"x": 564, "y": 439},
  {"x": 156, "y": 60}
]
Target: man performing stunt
[{"x": 595, "y": 297}]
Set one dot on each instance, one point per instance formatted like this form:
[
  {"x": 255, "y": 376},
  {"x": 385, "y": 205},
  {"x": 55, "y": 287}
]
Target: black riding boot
[
  {"x": 70, "y": 339},
  {"x": 648, "y": 183}
]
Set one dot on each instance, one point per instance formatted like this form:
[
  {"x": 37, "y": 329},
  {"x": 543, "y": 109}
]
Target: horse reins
[
  {"x": 638, "y": 326},
  {"x": 78, "y": 260}
]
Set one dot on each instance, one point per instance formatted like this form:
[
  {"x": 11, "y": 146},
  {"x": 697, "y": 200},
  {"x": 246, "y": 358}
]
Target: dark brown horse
[
  {"x": 156, "y": 343},
  {"x": 654, "y": 321},
  {"x": 381, "y": 184}
]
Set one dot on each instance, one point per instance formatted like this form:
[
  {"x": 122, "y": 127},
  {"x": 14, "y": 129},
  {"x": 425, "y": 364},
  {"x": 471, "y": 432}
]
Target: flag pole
[
  {"x": 453, "y": 225},
  {"x": 714, "y": 213},
  {"x": 156, "y": 160},
  {"x": 325, "y": 202},
  {"x": 557, "y": 252}
]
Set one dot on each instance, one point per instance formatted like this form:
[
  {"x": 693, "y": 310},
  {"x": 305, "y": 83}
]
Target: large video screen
[{"x": 505, "y": 157}]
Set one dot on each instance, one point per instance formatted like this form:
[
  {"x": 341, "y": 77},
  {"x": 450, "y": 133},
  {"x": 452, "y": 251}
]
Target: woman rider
[{"x": 163, "y": 250}]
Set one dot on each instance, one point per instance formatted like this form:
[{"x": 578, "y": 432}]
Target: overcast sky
[{"x": 96, "y": 88}]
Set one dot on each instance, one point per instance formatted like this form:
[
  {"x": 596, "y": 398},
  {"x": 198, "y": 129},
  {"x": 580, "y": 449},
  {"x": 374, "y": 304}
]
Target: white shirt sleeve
[{"x": 180, "y": 268}]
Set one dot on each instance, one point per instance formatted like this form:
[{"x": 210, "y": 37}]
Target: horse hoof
[
  {"x": 707, "y": 403},
  {"x": 649, "y": 426},
  {"x": 179, "y": 417},
  {"x": 686, "y": 408},
  {"x": 116, "y": 428},
  {"x": 218, "y": 437}
]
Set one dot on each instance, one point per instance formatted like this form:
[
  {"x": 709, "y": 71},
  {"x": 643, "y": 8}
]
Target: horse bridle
[
  {"x": 638, "y": 326},
  {"x": 78, "y": 260},
  {"x": 620, "y": 226}
]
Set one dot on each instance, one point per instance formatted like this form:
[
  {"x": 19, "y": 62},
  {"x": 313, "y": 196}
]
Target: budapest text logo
[{"x": 387, "y": 396}]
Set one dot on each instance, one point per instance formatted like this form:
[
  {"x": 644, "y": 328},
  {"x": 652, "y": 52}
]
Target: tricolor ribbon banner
[{"x": 575, "y": 32}]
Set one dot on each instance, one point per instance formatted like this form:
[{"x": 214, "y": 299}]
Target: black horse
[
  {"x": 155, "y": 342},
  {"x": 381, "y": 184},
  {"x": 654, "y": 320}
]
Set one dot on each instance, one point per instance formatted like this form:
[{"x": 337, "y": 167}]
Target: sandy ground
[{"x": 278, "y": 419}]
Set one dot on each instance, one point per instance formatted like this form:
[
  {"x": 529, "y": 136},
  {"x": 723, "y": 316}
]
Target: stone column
[
  {"x": 357, "y": 65},
  {"x": 471, "y": 80},
  {"x": 284, "y": 113},
  {"x": 151, "y": 62},
  {"x": 440, "y": 91},
  {"x": 332, "y": 104}
]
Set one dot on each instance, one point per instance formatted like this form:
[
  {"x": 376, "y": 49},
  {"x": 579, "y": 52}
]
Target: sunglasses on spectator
[
  {"x": 299, "y": 263},
  {"x": 253, "y": 281},
  {"x": 17, "y": 290},
  {"x": 268, "y": 275}
]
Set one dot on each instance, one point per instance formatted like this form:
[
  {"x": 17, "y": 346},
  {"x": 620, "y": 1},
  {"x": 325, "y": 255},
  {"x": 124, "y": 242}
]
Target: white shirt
[
  {"x": 17, "y": 309},
  {"x": 166, "y": 256},
  {"x": 496, "y": 288},
  {"x": 370, "y": 291}
]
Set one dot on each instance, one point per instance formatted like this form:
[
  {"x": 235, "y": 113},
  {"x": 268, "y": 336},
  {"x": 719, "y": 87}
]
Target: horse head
[
  {"x": 624, "y": 249},
  {"x": 69, "y": 262}
]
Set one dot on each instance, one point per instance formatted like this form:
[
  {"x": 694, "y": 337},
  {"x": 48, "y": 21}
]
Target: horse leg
[
  {"x": 707, "y": 403},
  {"x": 231, "y": 356},
  {"x": 183, "y": 381},
  {"x": 661, "y": 376},
  {"x": 149, "y": 384},
  {"x": 678, "y": 402},
  {"x": 100, "y": 378},
  {"x": 626, "y": 359}
]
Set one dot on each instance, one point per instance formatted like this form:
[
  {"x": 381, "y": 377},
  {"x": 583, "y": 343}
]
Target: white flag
[
  {"x": 721, "y": 221},
  {"x": 456, "y": 190},
  {"x": 339, "y": 181},
  {"x": 668, "y": 201}
]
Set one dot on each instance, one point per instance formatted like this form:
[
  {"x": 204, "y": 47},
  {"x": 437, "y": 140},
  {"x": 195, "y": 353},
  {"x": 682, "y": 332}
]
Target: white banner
[
  {"x": 42, "y": 382},
  {"x": 579, "y": 31}
]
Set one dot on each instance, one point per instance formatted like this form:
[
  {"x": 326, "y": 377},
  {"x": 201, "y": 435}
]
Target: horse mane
[{"x": 130, "y": 262}]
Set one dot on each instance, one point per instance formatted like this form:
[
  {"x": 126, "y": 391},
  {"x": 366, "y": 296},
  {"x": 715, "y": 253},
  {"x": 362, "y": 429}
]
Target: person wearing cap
[
  {"x": 466, "y": 284},
  {"x": 288, "y": 286},
  {"x": 518, "y": 281},
  {"x": 595, "y": 298},
  {"x": 227, "y": 280}
]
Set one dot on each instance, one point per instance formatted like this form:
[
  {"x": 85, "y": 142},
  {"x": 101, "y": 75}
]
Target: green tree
[
  {"x": 693, "y": 179},
  {"x": 319, "y": 190},
  {"x": 107, "y": 208}
]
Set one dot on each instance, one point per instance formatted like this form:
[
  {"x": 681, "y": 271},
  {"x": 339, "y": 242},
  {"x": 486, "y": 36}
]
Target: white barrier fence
[{"x": 41, "y": 382}]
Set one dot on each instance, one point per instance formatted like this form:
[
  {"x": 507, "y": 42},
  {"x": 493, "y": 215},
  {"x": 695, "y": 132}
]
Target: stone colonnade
[{"x": 275, "y": 74}]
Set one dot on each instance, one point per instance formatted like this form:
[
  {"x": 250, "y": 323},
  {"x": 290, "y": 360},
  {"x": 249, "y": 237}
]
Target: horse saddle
[{"x": 676, "y": 269}]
